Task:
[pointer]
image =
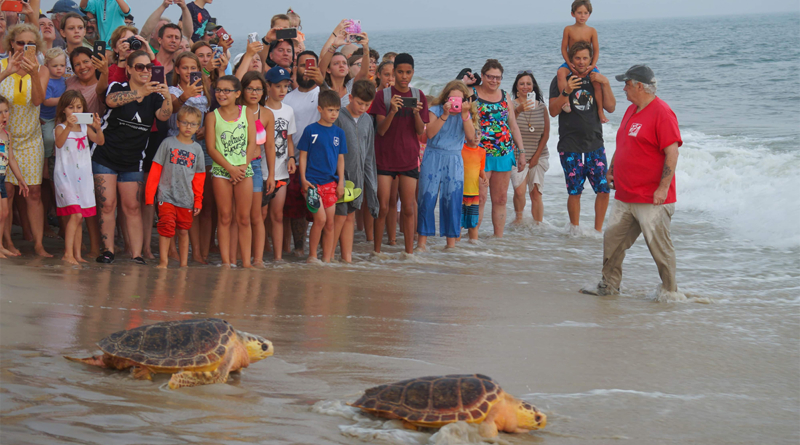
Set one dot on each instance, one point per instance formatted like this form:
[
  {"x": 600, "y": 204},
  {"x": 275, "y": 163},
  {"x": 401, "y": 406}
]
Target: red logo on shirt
[
  {"x": 181, "y": 157},
  {"x": 634, "y": 130}
]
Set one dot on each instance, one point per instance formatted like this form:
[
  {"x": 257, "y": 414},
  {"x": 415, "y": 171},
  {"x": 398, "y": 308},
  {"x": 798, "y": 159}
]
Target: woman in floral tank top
[{"x": 499, "y": 136}]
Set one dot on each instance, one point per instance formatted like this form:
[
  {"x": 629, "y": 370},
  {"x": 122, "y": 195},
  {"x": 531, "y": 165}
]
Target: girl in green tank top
[{"x": 231, "y": 142}]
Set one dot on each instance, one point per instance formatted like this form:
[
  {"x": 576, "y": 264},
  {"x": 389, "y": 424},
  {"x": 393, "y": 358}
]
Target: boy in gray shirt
[
  {"x": 359, "y": 163},
  {"x": 178, "y": 173}
]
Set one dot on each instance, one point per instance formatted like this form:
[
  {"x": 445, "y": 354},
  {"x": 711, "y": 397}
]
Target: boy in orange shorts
[
  {"x": 177, "y": 174},
  {"x": 322, "y": 150}
]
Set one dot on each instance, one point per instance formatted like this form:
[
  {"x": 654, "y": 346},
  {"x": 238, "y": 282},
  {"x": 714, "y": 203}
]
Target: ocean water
[{"x": 718, "y": 366}]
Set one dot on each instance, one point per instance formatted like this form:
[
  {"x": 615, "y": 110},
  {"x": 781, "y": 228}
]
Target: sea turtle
[
  {"x": 195, "y": 352},
  {"x": 433, "y": 402}
]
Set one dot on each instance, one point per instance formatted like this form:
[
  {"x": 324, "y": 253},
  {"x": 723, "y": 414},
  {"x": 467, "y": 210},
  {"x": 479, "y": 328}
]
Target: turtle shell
[
  {"x": 434, "y": 401},
  {"x": 184, "y": 344}
]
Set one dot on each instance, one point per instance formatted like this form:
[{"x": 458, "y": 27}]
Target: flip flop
[
  {"x": 313, "y": 201},
  {"x": 350, "y": 192}
]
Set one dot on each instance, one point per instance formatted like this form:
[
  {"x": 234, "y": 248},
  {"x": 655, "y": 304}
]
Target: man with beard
[{"x": 91, "y": 29}]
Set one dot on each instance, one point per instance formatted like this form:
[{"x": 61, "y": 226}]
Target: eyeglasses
[
  {"x": 140, "y": 67},
  {"x": 525, "y": 72},
  {"x": 21, "y": 43},
  {"x": 189, "y": 124},
  {"x": 495, "y": 78},
  {"x": 210, "y": 33},
  {"x": 95, "y": 21},
  {"x": 225, "y": 91},
  {"x": 254, "y": 90}
]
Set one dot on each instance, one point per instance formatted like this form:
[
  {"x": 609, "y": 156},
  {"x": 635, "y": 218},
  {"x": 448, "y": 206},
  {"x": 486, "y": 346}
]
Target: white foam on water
[
  {"x": 371, "y": 429},
  {"x": 631, "y": 392}
]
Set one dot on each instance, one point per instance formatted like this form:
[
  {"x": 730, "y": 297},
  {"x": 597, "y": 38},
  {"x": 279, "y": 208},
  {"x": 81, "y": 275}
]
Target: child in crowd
[
  {"x": 231, "y": 142},
  {"x": 579, "y": 32},
  {"x": 7, "y": 161},
  {"x": 200, "y": 17},
  {"x": 359, "y": 163},
  {"x": 178, "y": 173},
  {"x": 474, "y": 176},
  {"x": 73, "y": 31},
  {"x": 55, "y": 59},
  {"x": 73, "y": 171},
  {"x": 278, "y": 82},
  {"x": 322, "y": 149},
  {"x": 294, "y": 22}
]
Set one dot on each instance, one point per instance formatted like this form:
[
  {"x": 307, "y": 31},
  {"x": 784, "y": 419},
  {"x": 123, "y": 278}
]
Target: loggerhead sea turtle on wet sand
[
  {"x": 195, "y": 352},
  {"x": 433, "y": 402}
]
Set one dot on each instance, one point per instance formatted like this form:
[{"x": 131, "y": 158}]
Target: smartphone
[
  {"x": 12, "y": 6},
  {"x": 286, "y": 34},
  {"x": 194, "y": 76},
  {"x": 252, "y": 37},
  {"x": 30, "y": 51},
  {"x": 222, "y": 34},
  {"x": 84, "y": 118},
  {"x": 409, "y": 102},
  {"x": 217, "y": 51},
  {"x": 532, "y": 98},
  {"x": 456, "y": 103},
  {"x": 157, "y": 74},
  {"x": 311, "y": 62},
  {"x": 99, "y": 48},
  {"x": 353, "y": 28}
]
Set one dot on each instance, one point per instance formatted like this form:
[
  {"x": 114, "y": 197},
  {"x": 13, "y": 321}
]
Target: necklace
[{"x": 527, "y": 121}]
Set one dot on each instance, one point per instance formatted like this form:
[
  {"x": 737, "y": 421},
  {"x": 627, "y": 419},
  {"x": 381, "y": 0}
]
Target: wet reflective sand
[{"x": 602, "y": 369}]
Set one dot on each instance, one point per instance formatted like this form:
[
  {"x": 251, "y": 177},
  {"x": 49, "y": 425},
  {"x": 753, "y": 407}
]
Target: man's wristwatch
[{"x": 564, "y": 93}]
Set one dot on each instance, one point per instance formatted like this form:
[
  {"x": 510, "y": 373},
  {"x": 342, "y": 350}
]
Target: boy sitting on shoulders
[
  {"x": 178, "y": 173},
  {"x": 359, "y": 163},
  {"x": 579, "y": 32},
  {"x": 322, "y": 149}
]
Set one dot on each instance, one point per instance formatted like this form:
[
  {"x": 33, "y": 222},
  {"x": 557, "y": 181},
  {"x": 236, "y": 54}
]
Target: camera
[{"x": 134, "y": 43}]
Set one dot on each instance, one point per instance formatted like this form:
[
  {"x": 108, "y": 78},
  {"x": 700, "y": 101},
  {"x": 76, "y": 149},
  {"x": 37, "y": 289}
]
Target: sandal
[
  {"x": 106, "y": 257},
  {"x": 139, "y": 260}
]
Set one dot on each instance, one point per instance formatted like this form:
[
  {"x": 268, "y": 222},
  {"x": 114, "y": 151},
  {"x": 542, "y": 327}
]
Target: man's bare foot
[
  {"x": 312, "y": 260},
  {"x": 162, "y": 264},
  {"x": 41, "y": 252},
  {"x": 70, "y": 259},
  {"x": 566, "y": 108},
  {"x": 199, "y": 259}
]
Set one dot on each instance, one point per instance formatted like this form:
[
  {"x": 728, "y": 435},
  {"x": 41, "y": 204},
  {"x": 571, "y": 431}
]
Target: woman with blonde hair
[
  {"x": 442, "y": 169},
  {"x": 121, "y": 47},
  {"x": 19, "y": 82}
]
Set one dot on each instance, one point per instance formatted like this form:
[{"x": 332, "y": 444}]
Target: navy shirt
[{"x": 324, "y": 145}]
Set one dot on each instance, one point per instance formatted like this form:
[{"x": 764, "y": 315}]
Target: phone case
[
  {"x": 85, "y": 118},
  {"x": 157, "y": 74},
  {"x": 310, "y": 62},
  {"x": 194, "y": 77},
  {"x": 12, "y": 6},
  {"x": 99, "y": 47},
  {"x": 252, "y": 37},
  {"x": 217, "y": 51},
  {"x": 285, "y": 34},
  {"x": 409, "y": 102},
  {"x": 222, "y": 34}
]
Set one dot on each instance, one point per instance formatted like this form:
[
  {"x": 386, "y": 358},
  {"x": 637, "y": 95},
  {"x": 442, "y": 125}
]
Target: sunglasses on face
[
  {"x": 224, "y": 91},
  {"x": 21, "y": 43},
  {"x": 495, "y": 78},
  {"x": 210, "y": 33},
  {"x": 141, "y": 67}
]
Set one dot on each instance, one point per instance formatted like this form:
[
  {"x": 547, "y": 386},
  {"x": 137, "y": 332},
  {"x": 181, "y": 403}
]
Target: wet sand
[{"x": 604, "y": 370}]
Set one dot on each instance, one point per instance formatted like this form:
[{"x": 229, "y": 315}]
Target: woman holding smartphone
[
  {"x": 117, "y": 165},
  {"x": 534, "y": 126},
  {"x": 19, "y": 83},
  {"x": 442, "y": 169},
  {"x": 499, "y": 133},
  {"x": 335, "y": 64}
]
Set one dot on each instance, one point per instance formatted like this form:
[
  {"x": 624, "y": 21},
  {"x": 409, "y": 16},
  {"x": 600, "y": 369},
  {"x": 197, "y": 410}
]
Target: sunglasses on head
[
  {"x": 140, "y": 67},
  {"x": 525, "y": 72}
]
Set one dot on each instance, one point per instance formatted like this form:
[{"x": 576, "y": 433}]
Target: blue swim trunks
[{"x": 581, "y": 166}]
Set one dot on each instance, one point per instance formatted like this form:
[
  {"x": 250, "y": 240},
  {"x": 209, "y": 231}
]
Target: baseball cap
[
  {"x": 639, "y": 73},
  {"x": 277, "y": 74},
  {"x": 66, "y": 6}
]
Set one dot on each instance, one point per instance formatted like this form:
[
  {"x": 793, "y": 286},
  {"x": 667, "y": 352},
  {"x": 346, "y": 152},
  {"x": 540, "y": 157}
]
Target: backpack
[{"x": 387, "y": 96}]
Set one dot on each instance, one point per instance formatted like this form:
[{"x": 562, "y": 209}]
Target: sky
[{"x": 245, "y": 16}]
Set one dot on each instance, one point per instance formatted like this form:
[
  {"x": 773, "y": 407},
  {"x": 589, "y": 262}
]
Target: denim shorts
[
  {"x": 258, "y": 176},
  {"x": 3, "y": 193},
  {"x": 99, "y": 169}
]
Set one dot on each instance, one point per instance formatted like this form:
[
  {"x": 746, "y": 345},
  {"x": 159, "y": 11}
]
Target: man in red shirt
[{"x": 642, "y": 172}]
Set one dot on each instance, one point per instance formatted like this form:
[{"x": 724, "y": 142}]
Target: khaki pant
[{"x": 626, "y": 223}]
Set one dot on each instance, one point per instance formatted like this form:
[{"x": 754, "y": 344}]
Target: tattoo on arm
[
  {"x": 667, "y": 172},
  {"x": 120, "y": 98}
]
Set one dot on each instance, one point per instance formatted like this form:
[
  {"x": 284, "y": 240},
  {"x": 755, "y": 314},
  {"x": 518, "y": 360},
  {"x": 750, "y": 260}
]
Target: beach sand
[{"x": 602, "y": 369}]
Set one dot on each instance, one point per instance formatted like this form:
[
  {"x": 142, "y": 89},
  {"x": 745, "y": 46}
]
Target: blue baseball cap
[
  {"x": 66, "y": 6},
  {"x": 277, "y": 74}
]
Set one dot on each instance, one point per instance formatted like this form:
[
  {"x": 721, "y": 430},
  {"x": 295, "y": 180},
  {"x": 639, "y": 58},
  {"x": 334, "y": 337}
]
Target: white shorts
[{"x": 533, "y": 175}]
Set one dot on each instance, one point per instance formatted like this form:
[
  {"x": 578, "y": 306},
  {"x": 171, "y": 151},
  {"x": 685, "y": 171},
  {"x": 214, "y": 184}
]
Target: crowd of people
[{"x": 118, "y": 126}]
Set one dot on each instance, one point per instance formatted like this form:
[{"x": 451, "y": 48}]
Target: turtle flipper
[
  {"x": 141, "y": 373},
  {"x": 188, "y": 378},
  {"x": 96, "y": 360}
]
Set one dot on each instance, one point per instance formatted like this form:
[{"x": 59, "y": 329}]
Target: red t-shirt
[
  {"x": 398, "y": 149},
  {"x": 639, "y": 159}
]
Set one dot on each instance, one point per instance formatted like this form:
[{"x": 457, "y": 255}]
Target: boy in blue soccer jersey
[{"x": 322, "y": 148}]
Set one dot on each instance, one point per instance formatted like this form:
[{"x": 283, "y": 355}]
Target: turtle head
[
  {"x": 258, "y": 348},
  {"x": 530, "y": 418}
]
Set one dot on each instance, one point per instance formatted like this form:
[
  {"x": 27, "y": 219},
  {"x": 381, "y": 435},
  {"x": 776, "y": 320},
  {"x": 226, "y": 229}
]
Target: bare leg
[
  {"x": 3, "y": 217},
  {"x": 207, "y": 218},
  {"x": 105, "y": 191},
  {"x": 483, "y": 195},
  {"x": 519, "y": 201},
  {"x": 393, "y": 216},
  {"x": 299, "y": 229},
  {"x": 131, "y": 205},
  {"x": 276, "y": 218},
  {"x": 7, "y": 245},
  {"x": 148, "y": 215},
  {"x": 598, "y": 101},
  {"x": 320, "y": 219},
  {"x": 408, "y": 198},
  {"x": 498, "y": 185},
  {"x": 69, "y": 239},
  {"x": 78, "y": 241},
  {"x": 574, "y": 209},
  {"x": 561, "y": 74},
  {"x": 258, "y": 230},
  {"x": 183, "y": 239},
  {"x": 537, "y": 206},
  {"x": 93, "y": 226},
  {"x": 163, "y": 252},
  {"x": 600, "y": 207},
  {"x": 329, "y": 236},
  {"x": 369, "y": 223},
  {"x": 36, "y": 218},
  {"x": 223, "y": 191},
  {"x": 345, "y": 228},
  {"x": 384, "y": 193},
  {"x": 243, "y": 193}
]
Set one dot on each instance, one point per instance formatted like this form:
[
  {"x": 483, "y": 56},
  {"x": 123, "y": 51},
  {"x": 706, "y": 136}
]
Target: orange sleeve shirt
[{"x": 474, "y": 164}]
